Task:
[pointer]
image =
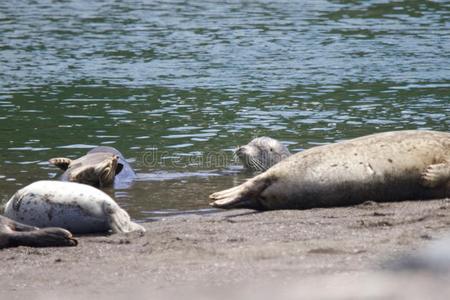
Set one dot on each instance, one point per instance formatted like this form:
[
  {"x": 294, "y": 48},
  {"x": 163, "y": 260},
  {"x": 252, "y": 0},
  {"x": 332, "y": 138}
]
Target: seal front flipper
[
  {"x": 61, "y": 162},
  {"x": 244, "y": 195},
  {"x": 436, "y": 175}
]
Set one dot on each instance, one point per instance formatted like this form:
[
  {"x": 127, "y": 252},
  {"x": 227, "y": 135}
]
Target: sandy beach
[{"x": 330, "y": 253}]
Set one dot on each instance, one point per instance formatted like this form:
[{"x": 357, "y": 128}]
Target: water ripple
[{"x": 190, "y": 80}]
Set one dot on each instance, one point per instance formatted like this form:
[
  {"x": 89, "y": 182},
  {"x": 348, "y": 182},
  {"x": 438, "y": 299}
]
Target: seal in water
[
  {"x": 390, "y": 166},
  {"x": 100, "y": 167},
  {"x": 261, "y": 153},
  {"x": 13, "y": 234},
  {"x": 73, "y": 206}
]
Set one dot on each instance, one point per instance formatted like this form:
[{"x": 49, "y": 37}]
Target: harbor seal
[
  {"x": 261, "y": 153},
  {"x": 390, "y": 166},
  {"x": 13, "y": 234},
  {"x": 100, "y": 167},
  {"x": 79, "y": 208}
]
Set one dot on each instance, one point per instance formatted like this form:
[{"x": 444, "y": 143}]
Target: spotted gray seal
[
  {"x": 100, "y": 167},
  {"x": 390, "y": 166},
  {"x": 13, "y": 234},
  {"x": 261, "y": 153},
  {"x": 79, "y": 208}
]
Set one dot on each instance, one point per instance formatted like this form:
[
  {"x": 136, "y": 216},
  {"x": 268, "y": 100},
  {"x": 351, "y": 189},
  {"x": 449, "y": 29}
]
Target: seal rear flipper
[
  {"x": 119, "y": 221},
  {"x": 436, "y": 175},
  {"x": 45, "y": 237},
  {"x": 16, "y": 226},
  {"x": 244, "y": 195},
  {"x": 61, "y": 162},
  {"x": 107, "y": 170}
]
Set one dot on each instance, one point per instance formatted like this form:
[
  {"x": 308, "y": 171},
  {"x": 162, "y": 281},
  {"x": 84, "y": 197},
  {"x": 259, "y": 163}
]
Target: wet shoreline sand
[{"x": 234, "y": 252}]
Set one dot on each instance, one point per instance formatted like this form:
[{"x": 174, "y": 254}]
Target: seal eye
[{"x": 271, "y": 149}]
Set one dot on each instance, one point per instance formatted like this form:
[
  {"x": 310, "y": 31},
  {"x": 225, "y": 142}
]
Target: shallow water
[{"x": 176, "y": 85}]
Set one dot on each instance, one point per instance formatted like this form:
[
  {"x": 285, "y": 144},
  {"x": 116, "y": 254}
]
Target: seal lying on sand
[
  {"x": 391, "y": 166},
  {"x": 76, "y": 207},
  {"x": 100, "y": 167},
  {"x": 13, "y": 234},
  {"x": 261, "y": 153}
]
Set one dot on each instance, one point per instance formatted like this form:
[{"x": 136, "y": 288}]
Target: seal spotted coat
[{"x": 79, "y": 208}]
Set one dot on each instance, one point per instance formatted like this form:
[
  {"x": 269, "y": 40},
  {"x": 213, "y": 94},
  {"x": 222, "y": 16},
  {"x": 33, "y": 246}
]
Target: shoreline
[{"x": 235, "y": 248}]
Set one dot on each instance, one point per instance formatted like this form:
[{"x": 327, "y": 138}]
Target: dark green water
[{"x": 175, "y": 85}]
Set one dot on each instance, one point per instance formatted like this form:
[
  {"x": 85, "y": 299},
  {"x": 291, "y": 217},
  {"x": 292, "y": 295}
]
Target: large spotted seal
[
  {"x": 261, "y": 153},
  {"x": 100, "y": 167},
  {"x": 76, "y": 207},
  {"x": 391, "y": 166},
  {"x": 13, "y": 234}
]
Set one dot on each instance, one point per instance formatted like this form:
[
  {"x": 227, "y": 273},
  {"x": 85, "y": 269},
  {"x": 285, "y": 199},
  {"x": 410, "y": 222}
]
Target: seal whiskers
[{"x": 256, "y": 164}]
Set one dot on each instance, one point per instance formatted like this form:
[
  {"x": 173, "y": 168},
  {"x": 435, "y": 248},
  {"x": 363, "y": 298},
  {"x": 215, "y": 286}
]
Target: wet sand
[{"x": 331, "y": 253}]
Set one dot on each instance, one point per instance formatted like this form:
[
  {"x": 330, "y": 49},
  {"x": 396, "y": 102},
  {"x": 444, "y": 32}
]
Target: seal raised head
[
  {"x": 261, "y": 153},
  {"x": 390, "y": 166},
  {"x": 13, "y": 234},
  {"x": 100, "y": 167},
  {"x": 79, "y": 208}
]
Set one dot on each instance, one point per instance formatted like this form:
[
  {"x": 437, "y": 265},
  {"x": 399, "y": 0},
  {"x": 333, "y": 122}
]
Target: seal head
[{"x": 261, "y": 153}]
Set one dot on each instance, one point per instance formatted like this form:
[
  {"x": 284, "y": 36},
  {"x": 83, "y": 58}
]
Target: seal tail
[{"x": 244, "y": 195}]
